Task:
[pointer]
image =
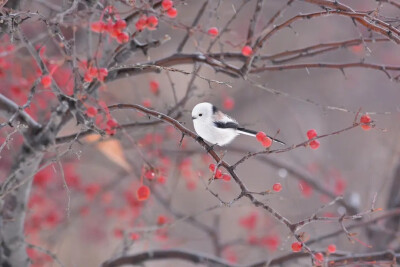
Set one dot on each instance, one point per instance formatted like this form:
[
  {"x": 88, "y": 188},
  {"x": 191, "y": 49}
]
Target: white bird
[{"x": 216, "y": 127}]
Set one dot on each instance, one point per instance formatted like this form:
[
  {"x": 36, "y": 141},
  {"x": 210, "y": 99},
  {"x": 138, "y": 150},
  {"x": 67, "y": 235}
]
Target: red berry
[
  {"x": 91, "y": 112},
  {"x": 229, "y": 103},
  {"x": 150, "y": 174},
  {"x": 143, "y": 193},
  {"x": 212, "y": 167},
  {"x": 260, "y": 136},
  {"x": 120, "y": 24},
  {"x": 172, "y": 12},
  {"x": 213, "y": 31},
  {"x": 365, "y": 120},
  {"x": 226, "y": 177},
  {"x": 141, "y": 23},
  {"x": 102, "y": 74},
  {"x": 154, "y": 87},
  {"x": 314, "y": 144},
  {"x": 115, "y": 32},
  {"x": 46, "y": 81},
  {"x": 247, "y": 51},
  {"x": 319, "y": 257},
  {"x": 135, "y": 236},
  {"x": 111, "y": 123},
  {"x": 152, "y": 22},
  {"x": 123, "y": 37},
  {"x": 218, "y": 174},
  {"x": 88, "y": 78},
  {"x": 311, "y": 134},
  {"x": 267, "y": 142},
  {"x": 277, "y": 187},
  {"x": 296, "y": 246},
  {"x": 167, "y": 4},
  {"x": 331, "y": 248},
  {"x": 147, "y": 103},
  {"x": 162, "y": 220},
  {"x": 98, "y": 26}
]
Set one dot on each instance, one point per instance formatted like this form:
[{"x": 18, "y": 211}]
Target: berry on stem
[
  {"x": 123, "y": 37},
  {"x": 213, "y": 31},
  {"x": 332, "y": 248},
  {"x": 365, "y": 121},
  {"x": 297, "y": 246},
  {"x": 98, "y": 26},
  {"x": 314, "y": 144},
  {"x": 260, "y": 136},
  {"x": 172, "y": 12},
  {"x": 91, "y": 112},
  {"x": 311, "y": 134},
  {"x": 143, "y": 193},
  {"x": 152, "y": 22},
  {"x": 319, "y": 257},
  {"x": 167, "y": 4},
  {"x": 277, "y": 187},
  {"x": 247, "y": 51},
  {"x": 46, "y": 81}
]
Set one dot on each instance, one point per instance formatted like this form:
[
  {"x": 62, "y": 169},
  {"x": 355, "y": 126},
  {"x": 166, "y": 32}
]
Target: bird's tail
[{"x": 254, "y": 133}]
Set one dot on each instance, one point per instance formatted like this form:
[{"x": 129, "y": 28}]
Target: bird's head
[{"x": 203, "y": 111}]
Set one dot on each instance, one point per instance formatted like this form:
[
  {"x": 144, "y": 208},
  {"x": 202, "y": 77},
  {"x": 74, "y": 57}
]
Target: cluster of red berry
[
  {"x": 114, "y": 29},
  {"x": 264, "y": 139},
  {"x": 218, "y": 173},
  {"x": 314, "y": 144}
]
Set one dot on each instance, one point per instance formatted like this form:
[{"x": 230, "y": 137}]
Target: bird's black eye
[{"x": 200, "y": 114}]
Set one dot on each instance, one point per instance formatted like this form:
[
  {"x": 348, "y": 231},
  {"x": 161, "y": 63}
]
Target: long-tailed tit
[{"x": 216, "y": 127}]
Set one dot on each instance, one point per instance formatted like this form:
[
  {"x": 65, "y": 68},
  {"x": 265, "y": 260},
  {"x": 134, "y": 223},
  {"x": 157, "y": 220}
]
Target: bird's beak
[{"x": 193, "y": 118}]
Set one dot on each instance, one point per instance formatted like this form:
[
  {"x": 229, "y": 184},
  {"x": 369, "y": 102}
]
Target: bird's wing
[
  {"x": 226, "y": 125},
  {"x": 223, "y": 121}
]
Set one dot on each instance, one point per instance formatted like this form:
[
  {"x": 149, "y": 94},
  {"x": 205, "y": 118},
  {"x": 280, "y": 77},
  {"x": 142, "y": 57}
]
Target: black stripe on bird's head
[{"x": 214, "y": 109}]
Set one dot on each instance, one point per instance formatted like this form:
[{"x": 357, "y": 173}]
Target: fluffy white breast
[{"x": 209, "y": 132}]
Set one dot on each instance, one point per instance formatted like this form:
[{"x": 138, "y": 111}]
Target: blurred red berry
[
  {"x": 172, "y": 12},
  {"x": 150, "y": 174},
  {"x": 46, "y": 81},
  {"x": 260, "y": 136},
  {"x": 365, "y": 121},
  {"x": 213, "y": 31},
  {"x": 123, "y": 37},
  {"x": 154, "y": 87},
  {"x": 143, "y": 193},
  {"x": 297, "y": 246},
  {"x": 147, "y": 103},
  {"x": 211, "y": 167},
  {"x": 141, "y": 23},
  {"x": 267, "y": 142},
  {"x": 319, "y": 257},
  {"x": 229, "y": 103},
  {"x": 314, "y": 144},
  {"x": 91, "y": 112},
  {"x": 112, "y": 123},
  {"x": 134, "y": 236},
  {"x": 218, "y": 174},
  {"x": 167, "y": 4},
  {"x": 247, "y": 51},
  {"x": 120, "y": 24},
  {"x": 98, "y": 26},
  {"x": 152, "y": 22},
  {"x": 311, "y": 134},
  {"x": 331, "y": 248},
  {"x": 162, "y": 219},
  {"x": 277, "y": 187},
  {"x": 226, "y": 177}
]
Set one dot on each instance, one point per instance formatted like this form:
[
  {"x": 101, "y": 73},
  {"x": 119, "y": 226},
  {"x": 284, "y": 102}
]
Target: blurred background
[{"x": 100, "y": 217}]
